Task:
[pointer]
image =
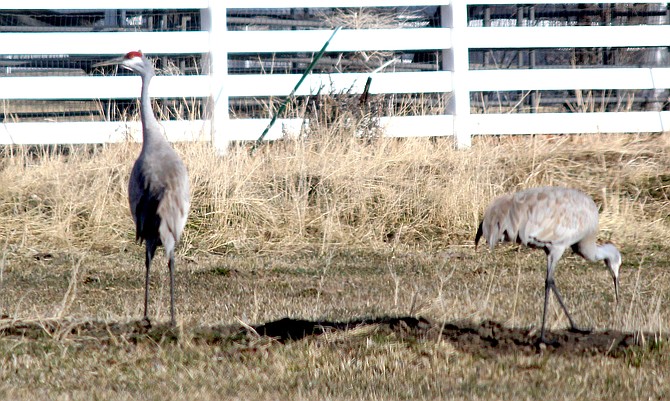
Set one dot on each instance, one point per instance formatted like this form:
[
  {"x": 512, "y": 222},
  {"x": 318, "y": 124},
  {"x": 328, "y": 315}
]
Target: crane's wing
[
  {"x": 174, "y": 205},
  {"x": 144, "y": 201}
]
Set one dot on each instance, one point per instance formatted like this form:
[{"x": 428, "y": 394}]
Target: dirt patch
[{"x": 487, "y": 338}]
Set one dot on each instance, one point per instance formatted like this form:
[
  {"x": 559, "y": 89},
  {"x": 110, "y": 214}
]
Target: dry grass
[
  {"x": 331, "y": 192},
  {"x": 328, "y": 228}
]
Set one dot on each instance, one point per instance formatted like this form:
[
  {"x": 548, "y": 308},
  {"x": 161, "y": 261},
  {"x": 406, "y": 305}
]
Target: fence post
[
  {"x": 214, "y": 21},
  {"x": 455, "y": 16}
]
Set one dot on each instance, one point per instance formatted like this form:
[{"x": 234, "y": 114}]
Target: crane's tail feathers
[{"x": 479, "y": 234}]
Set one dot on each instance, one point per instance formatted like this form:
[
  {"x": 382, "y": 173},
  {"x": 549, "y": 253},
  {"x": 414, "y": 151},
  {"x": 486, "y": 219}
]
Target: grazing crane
[
  {"x": 158, "y": 190},
  {"x": 552, "y": 219}
]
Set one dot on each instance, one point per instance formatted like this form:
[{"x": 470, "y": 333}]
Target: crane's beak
[
  {"x": 616, "y": 289},
  {"x": 114, "y": 61}
]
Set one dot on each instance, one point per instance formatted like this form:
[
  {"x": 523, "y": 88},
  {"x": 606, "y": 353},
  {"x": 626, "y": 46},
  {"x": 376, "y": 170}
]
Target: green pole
[{"x": 290, "y": 96}]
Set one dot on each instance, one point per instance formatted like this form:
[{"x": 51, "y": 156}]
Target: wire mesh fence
[
  {"x": 556, "y": 15},
  {"x": 341, "y": 62}
]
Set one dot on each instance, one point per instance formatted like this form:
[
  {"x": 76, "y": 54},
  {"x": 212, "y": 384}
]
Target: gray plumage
[
  {"x": 158, "y": 190},
  {"x": 552, "y": 219}
]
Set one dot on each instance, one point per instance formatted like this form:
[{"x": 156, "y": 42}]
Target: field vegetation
[{"x": 329, "y": 267}]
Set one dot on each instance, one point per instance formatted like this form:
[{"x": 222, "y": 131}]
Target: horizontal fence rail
[
  {"x": 50, "y": 133},
  {"x": 568, "y": 36},
  {"x": 103, "y": 43},
  {"x": 97, "y": 5},
  {"x": 400, "y": 82},
  {"x": 231, "y": 70},
  {"x": 592, "y": 78},
  {"x": 346, "y": 40},
  {"x": 121, "y": 87}
]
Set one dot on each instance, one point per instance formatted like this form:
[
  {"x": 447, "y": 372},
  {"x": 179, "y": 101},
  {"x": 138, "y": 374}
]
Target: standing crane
[
  {"x": 552, "y": 219},
  {"x": 158, "y": 190}
]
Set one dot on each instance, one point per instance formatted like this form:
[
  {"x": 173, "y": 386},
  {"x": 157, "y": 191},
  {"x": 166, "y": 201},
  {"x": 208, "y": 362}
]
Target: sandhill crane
[
  {"x": 158, "y": 190},
  {"x": 552, "y": 219}
]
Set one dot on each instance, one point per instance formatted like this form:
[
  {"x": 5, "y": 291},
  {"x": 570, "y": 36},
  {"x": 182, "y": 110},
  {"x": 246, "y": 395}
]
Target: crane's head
[
  {"x": 613, "y": 263},
  {"x": 133, "y": 61}
]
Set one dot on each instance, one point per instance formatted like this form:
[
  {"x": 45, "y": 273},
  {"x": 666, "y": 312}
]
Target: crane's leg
[
  {"x": 552, "y": 259},
  {"x": 146, "y": 282},
  {"x": 547, "y": 286},
  {"x": 573, "y": 327},
  {"x": 550, "y": 284},
  {"x": 565, "y": 309},
  {"x": 171, "y": 267},
  {"x": 151, "y": 249}
]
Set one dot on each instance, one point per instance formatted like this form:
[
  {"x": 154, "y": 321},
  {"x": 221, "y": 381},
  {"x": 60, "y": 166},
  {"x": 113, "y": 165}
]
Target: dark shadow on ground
[
  {"x": 487, "y": 338},
  {"x": 484, "y": 338}
]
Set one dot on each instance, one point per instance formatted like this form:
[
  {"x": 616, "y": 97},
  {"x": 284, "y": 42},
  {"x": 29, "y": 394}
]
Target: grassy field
[{"x": 329, "y": 269}]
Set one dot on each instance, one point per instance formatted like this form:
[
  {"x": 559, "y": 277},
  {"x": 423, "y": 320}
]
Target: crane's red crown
[{"x": 133, "y": 54}]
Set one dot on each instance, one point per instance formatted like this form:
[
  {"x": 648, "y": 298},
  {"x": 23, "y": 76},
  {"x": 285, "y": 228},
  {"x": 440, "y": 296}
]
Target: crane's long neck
[
  {"x": 594, "y": 252},
  {"x": 151, "y": 130}
]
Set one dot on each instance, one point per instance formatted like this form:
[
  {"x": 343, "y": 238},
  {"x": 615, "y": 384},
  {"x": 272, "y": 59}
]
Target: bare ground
[{"x": 334, "y": 272}]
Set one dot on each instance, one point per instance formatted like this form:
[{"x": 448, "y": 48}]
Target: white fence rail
[{"x": 455, "y": 38}]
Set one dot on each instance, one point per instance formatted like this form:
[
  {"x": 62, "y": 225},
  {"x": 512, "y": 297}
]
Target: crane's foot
[
  {"x": 578, "y": 330},
  {"x": 145, "y": 323},
  {"x": 543, "y": 343}
]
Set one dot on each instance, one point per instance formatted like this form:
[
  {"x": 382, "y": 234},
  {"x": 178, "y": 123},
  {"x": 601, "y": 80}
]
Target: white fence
[{"x": 454, "y": 38}]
